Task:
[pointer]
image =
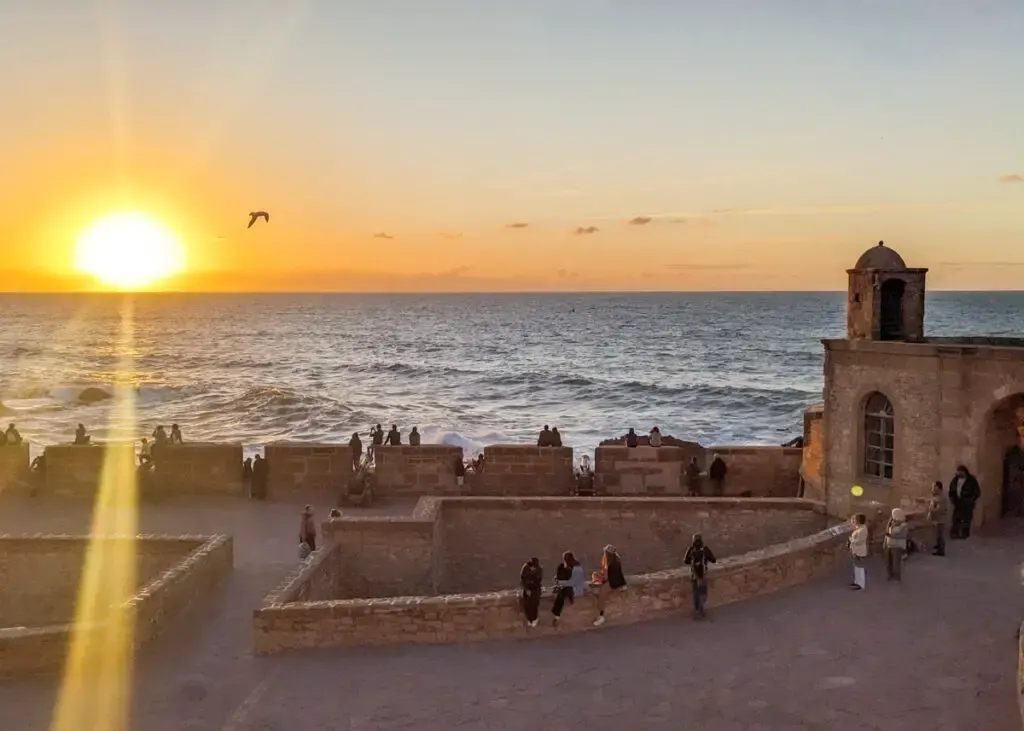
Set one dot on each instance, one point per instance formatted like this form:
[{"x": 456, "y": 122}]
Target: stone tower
[{"x": 885, "y": 299}]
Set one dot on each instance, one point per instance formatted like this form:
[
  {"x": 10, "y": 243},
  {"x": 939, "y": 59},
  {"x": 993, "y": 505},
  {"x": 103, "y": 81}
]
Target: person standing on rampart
[
  {"x": 938, "y": 515},
  {"x": 356, "y": 447},
  {"x": 716, "y": 473},
  {"x": 693, "y": 477},
  {"x": 531, "y": 579}
]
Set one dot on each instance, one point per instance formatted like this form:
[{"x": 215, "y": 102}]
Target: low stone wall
[
  {"x": 197, "y": 467},
  {"x": 643, "y": 470},
  {"x": 174, "y": 574},
  {"x": 813, "y": 452},
  {"x": 295, "y": 467},
  {"x": 14, "y": 464},
  {"x": 404, "y": 471},
  {"x": 760, "y": 471},
  {"x": 469, "y": 617},
  {"x": 522, "y": 469},
  {"x": 75, "y": 470}
]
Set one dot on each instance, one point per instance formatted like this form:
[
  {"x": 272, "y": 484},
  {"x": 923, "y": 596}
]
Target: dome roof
[{"x": 880, "y": 257}]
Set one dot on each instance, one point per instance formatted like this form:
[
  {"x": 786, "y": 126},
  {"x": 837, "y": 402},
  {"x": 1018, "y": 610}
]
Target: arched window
[{"x": 879, "y": 436}]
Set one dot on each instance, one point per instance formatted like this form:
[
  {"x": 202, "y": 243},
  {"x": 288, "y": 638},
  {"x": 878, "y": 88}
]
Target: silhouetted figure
[
  {"x": 414, "y": 437},
  {"x": 176, "y": 434},
  {"x": 145, "y": 453},
  {"x": 964, "y": 493},
  {"x": 81, "y": 435},
  {"x": 160, "y": 437},
  {"x": 655, "y": 437},
  {"x": 394, "y": 436},
  {"x": 260, "y": 473},
  {"x": 3, "y": 439},
  {"x": 531, "y": 580},
  {"x": 716, "y": 473},
  {"x": 556, "y": 438},
  {"x": 256, "y": 215},
  {"x": 12, "y": 435},
  {"x": 631, "y": 438},
  {"x": 247, "y": 476},
  {"x": 307, "y": 528},
  {"x": 335, "y": 513},
  {"x": 698, "y": 556},
  {"x": 377, "y": 435},
  {"x": 459, "y": 467},
  {"x": 355, "y": 445},
  {"x": 544, "y": 439},
  {"x": 693, "y": 477}
]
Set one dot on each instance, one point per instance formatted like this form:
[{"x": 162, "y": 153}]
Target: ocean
[{"x": 472, "y": 370}]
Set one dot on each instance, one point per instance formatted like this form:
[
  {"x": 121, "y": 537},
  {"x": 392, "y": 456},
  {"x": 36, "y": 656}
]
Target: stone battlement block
[
  {"x": 14, "y": 464},
  {"x": 296, "y": 466},
  {"x": 523, "y": 469},
  {"x": 75, "y": 470},
  {"x": 204, "y": 467},
  {"x": 428, "y": 469}
]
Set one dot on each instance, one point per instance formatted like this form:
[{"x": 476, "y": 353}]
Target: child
[
  {"x": 609, "y": 579},
  {"x": 938, "y": 510},
  {"x": 859, "y": 549},
  {"x": 698, "y": 556},
  {"x": 895, "y": 545}
]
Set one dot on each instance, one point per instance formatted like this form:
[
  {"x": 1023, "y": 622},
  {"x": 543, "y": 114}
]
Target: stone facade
[
  {"x": 297, "y": 467},
  {"x": 813, "y": 453},
  {"x": 198, "y": 467},
  {"x": 521, "y": 469},
  {"x": 760, "y": 471},
  {"x": 41, "y": 576},
  {"x": 404, "y": 471},
  {"x": 280, "y": 626},
  {"x": 14, "y": 464}
]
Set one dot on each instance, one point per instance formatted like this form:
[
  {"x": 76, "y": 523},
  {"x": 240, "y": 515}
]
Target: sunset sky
[{"x": 475, "y": 145}]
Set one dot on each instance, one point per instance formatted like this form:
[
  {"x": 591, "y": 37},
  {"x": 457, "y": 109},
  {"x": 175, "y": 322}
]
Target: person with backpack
[{"x": 698, "y": 556}]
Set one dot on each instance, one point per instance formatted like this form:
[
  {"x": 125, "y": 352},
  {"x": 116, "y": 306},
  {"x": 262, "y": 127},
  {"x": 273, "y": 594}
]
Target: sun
[{"x": 129, "y": 250}]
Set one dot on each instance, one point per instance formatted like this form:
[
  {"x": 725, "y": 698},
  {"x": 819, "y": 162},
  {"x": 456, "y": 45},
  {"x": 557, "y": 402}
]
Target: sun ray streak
[{"x": 95, "y": 693}]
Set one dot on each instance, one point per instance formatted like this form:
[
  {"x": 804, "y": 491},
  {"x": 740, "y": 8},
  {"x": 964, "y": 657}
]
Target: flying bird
[{"x": 256, "y": 215}]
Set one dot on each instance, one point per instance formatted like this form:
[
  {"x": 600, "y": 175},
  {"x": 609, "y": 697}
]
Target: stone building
[{"x": 902, "y": 409}]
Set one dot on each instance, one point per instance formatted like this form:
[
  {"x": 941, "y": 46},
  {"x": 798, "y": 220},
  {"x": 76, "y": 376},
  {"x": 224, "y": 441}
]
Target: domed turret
[{"x": 886, "y": 298}]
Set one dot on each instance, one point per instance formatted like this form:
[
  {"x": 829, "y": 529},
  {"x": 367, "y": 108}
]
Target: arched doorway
[
  {"x": 1003, "y": 469},
  {"x": 891, "y": 315}
]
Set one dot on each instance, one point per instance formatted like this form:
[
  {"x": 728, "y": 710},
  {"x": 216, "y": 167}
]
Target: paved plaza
[{"x": 937, "y": 653}]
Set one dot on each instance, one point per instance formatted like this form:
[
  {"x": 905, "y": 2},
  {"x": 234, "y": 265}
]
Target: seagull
[{"x": 255, "y": 215}]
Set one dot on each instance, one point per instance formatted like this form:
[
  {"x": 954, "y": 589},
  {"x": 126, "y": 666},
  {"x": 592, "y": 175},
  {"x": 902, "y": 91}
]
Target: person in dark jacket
[
  {"x": 544, "y": 439},
  {"x": 570, "y": 583},
  {"x": 414, "y": 437},
  {"x": 531, "y": 579},
  {"x": 698, "y": 556},
  {"x": 716, "y": 473},
  {"x": 964, "y": 493},
  {"x": 610, "y": 578},
  {"x": 394, "y": 436},
  {"x": 259, "y": 478},
  {"x": 355, "y": 445},
  {"x": 631, "y": 438},
  {"x": 556, "y": 438},
  {"x": 693, "y": 477}
]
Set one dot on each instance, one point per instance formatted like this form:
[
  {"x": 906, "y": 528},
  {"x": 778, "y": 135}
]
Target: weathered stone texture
[
  {"x": 14, "y": 464},
  {"x": 198, "y": 467},
  {"x": 384, "y": 556},
  {"x": 759, "y": 471},
  {"x": 428, "y": 469},
  {"x": 643, "y": 470},
  {"x": 41, "y": 576},
  {"x": 813, "y": 453},
  {"x": 944, "y": 396},
  {"x": 296, "y": 467},
  {"x": 76, "y": 470},
  {"x": 527, "y": 470},
  {"x": 473, "y": 617},
  {"x": 486, "y": 540}
]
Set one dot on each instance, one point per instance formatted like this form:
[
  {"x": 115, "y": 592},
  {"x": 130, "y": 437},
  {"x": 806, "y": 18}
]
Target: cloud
[
  {"x": 639, "y": 220},
  {"x": 383, "y": 235},
  {"x": 585, "y": 230},
  {"x": 1012, "y": 178},
  {"x": 705, "y": 267},
  {"x": 516, "y": 225},
  {"x": 980, "y": 264}
]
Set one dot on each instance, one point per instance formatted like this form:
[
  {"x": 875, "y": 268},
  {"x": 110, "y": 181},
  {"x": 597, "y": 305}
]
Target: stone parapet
[
  {"x": 197, "y": 467},
  {"x": 643, "y": 470},
  {"x": 526, "y": 470},
  {"x": 74, "y": 470},
  {"x": 492, "y": 615},
  {"x": 14, "y": 463},
  {"x": 760, "y": 471},
  {"x": 813, "y": 455},
  {"x": 428, "y": 469},
  {"x": 295, "y": 467}
]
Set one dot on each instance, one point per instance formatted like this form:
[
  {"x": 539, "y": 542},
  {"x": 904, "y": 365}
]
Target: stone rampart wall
[
  {"x": 75, "y": 470},
  {"x": 173, "y": 574},
  {"x": 469, "y": 617},
  {"x": 14, "y": 464},
  {"x": 297, "y": 467},
  {"x": 643, "y": 470},
  {"x": 522, "y": 469},
  {"x": 813, "y": 453},
  {"x": 201, "y": 467},
  {"x": 405, "y": 471},
  {"x": 760, "y": 471}
]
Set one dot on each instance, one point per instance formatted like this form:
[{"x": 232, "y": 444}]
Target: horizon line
[{"x": 472, "y": 292}]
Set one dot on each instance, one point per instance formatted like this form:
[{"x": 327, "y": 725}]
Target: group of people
[
  {"x": 570, "y": 582},
  {"x": 160, "y": 438},
  {"x": 962, "y": 494},
  {"x": 378, "y": 438},
  {"x": 549, "y": 437},
  {"x": 10, "y": 437}
]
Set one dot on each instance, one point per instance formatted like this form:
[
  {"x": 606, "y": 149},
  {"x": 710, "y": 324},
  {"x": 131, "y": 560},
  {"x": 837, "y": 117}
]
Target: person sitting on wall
[
  {"x": 394, "y": 436},
  {"x": 12, "y": 435},
  {"x": 570, "y": 582},
  {"x": 556, "y": 438},
  {"x": 176, "y": 434},
  {"x": 478, "y": 463},
  {"x": 459, "y": 468},
  {"x": 716, "y": 473},
  {"x": 693, "y": 477},
  {"x": 631, "y": 438},
  {"x": 355, "y": 446},
  {"x": 964, "y": 493},
  {"x": 414, "y": 437},
  {"x": 82, "y": 436},
  {"x": 655, "y": 437},
  {"x": 160, "y": 437},
  {"x": 145, "y": 453},
  {"x": 544, "y": 439}
]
